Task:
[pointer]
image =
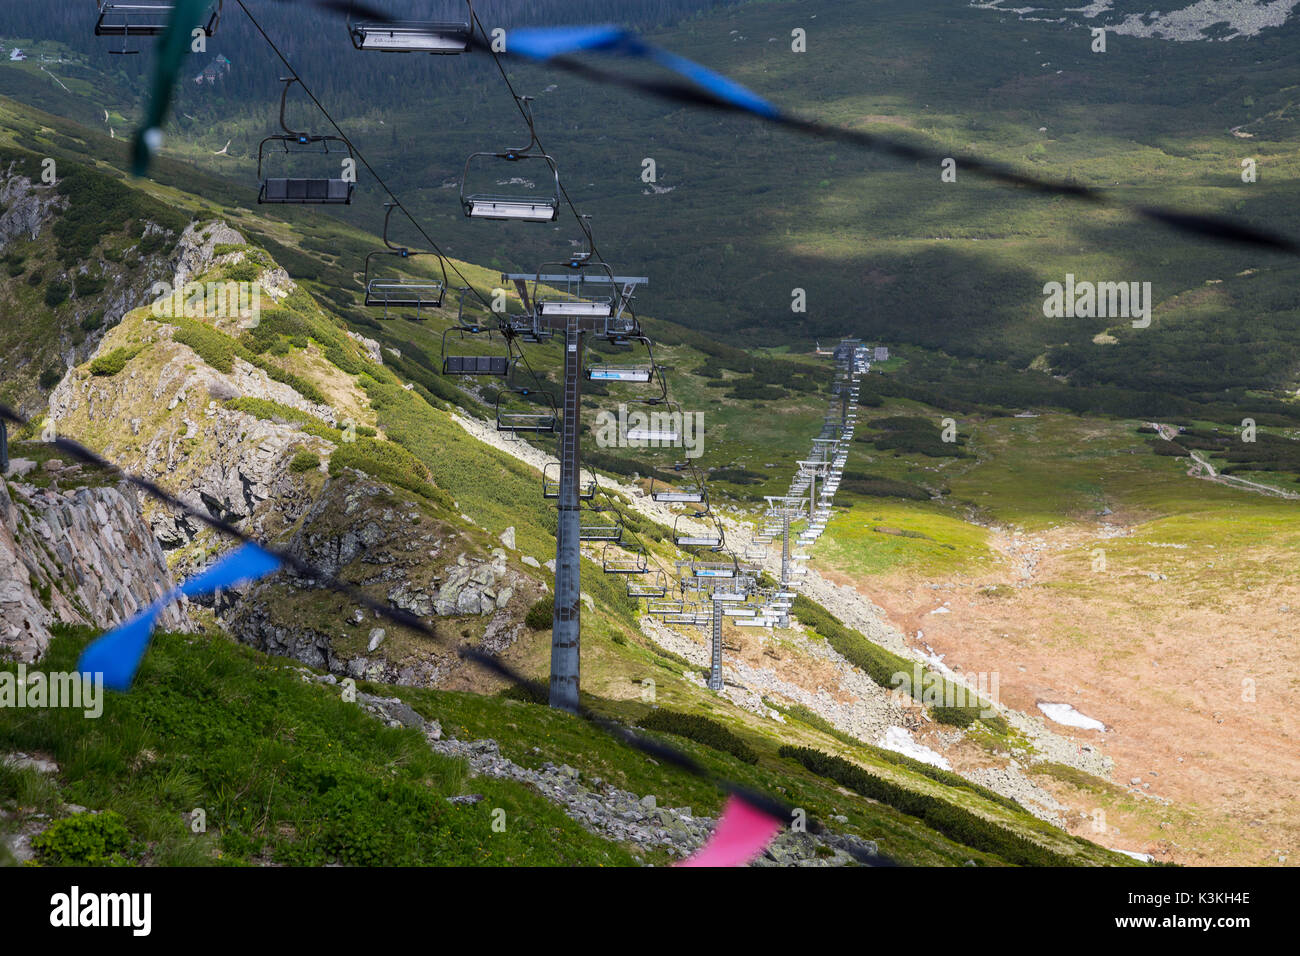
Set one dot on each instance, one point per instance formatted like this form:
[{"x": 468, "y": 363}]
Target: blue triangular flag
[
  {"x": 118, "y": 653},
  {"x": 543, "y": 43}
]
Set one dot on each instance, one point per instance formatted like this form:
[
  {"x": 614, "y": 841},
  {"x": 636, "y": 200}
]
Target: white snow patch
[
  {"x": 1144, "y": 857},
  {"x": 900, "y": 741},
  {"x": 1067, "y": 715}
]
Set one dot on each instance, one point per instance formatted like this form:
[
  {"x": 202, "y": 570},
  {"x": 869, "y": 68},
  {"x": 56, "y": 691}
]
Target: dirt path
[{"x": 1201, "y": 468}]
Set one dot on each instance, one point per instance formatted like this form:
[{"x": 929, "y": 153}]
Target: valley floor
[{"x": 1159, "y": 608}]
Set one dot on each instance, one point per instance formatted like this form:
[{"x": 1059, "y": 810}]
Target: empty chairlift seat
[
  {"x": 599, "y": 526},
  {"x": 551, "y": 483},
  {"x": 445, "y": 37},
  {"x": 456, "y": 364},
  {"x": 517, "y": 412},
  {"x": 146, "y": 18},
  {"x": 688, "y": 494},
  {"x": 297, "y": 190},
  {"x": 601, "y": 372},
  {"x": 650, "y": 586},
  {"x": 659, "y": 608},
  {"x": 619, "y": 560},
  {"x": 306, "y": 191},
  {"x": 585, "y": 290},
  {"x": 497, "y": 365},
  {"x": 533, "y": 185},
  {"x": 685, "y": 536},
  {"x": 391, "y": 291},
  {"x": 713, "y": 570}
]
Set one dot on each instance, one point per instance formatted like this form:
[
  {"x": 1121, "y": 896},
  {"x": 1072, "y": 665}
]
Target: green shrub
[
  {"x": 87, "y": 839},
  {"x": 286, "y": 414},
  {"x": 862, "y": 483},
  {"x": 542, "y": 614},
  {"x": 911, "y": 434},
  {"x": 88, "y": 285},
  {"x": 700, "y": 729},
  {"x": 56, "y": 293},
  {"x": 49, "y": 378},
  {"x": 304, "y": 461},
  {"x": 386, "y": 461},
  {"x": 214, "y": 347},
  {"x": 113, "y": 362},
  {"x": 243, "y": 272},
  {"x": 881, "y": 665},
  {"x": 1171, "y": 449},
  {"x": 956, "y": 823}
]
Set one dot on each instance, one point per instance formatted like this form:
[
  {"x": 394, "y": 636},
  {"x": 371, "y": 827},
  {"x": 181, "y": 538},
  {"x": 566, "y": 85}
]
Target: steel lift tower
[{"x": 585, "y": 299}]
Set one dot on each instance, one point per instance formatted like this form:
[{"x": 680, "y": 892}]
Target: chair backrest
[
  {"x": 477, "y": 365},
  {"x": 286, "y": 190}
]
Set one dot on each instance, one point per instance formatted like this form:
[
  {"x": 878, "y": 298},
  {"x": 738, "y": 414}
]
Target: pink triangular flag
[{"x": 741, "y": 835}]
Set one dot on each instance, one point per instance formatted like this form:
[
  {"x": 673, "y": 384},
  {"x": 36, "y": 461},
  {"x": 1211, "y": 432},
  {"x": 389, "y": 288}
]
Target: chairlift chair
[
  {"x": 145, "y": 18},
  {"x": 592, "y": 526},
  {"x": 690, "y": 619},
  {"x": 397, "y": 291},
  {"x": 522, "y": 409},
  {"x": 662, "y": 429},
  {"x": 730, "y": 597},
  {"x": 515, "y": 417},
  {"x": 410, "y": 36},
  {"x": 298, "y": 190},
  {"x": 624, "y": 559},
  {"x": 686, "y": 538},
  {"x": 585, "y": 289},
  {"x": 652, "y": 585},
  {"x": 715, "y": 569},
  {"x": 630, "y": 373},
  {"x": 515, "y": 206},
  {"x": 658, "y": 608},
  {"x": 685, "y": 495},
  {"x": 551, "y": 483},
  {"x": 609, "y": 372}
]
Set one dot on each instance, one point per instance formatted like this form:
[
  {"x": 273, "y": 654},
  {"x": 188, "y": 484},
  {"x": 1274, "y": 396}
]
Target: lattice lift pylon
[{"x": 575, "y": 314}]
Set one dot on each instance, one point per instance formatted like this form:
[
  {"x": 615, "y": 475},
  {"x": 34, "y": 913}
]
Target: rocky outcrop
[
  {"x": 361, "y": 531},
  {"x": 84, "y": 556},
  {"x": 372, "y": 348},
  {"x": 27, "y": 206},
  {"x": 228, "y": 463},
  {"x": 196, "y": 250}
]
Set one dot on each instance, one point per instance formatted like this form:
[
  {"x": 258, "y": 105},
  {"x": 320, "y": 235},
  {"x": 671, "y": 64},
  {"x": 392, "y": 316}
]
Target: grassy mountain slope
[{"x": 177, "y": 397}]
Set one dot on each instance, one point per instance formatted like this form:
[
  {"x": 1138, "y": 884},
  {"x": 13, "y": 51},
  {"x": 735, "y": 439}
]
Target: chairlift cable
[{"x": 356, "y": 152}]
